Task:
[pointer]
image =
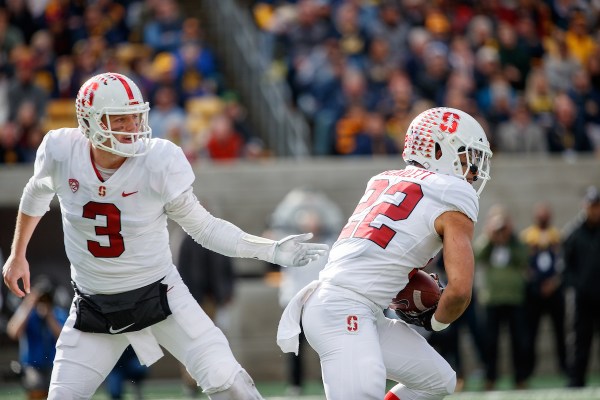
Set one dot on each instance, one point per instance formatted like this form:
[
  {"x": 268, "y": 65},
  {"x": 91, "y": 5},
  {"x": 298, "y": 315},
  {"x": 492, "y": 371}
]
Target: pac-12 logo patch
[
  {"x": 352, "y": 323},
  {"x": 74, "y": 185}
]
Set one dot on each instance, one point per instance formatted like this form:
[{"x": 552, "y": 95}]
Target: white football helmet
[
  {"x": 437, "y": 138},
  {"x": 113, "y": 94}
]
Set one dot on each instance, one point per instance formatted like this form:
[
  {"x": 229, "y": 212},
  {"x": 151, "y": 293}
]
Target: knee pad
[{"x": 242, "y": 388}]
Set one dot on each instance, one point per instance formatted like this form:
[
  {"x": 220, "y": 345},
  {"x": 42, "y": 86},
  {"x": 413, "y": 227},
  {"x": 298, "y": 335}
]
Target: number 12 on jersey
[{"x": 364, "y": 228}]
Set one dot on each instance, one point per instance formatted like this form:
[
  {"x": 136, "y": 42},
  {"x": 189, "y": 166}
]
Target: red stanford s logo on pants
[{"x": 352, "y": 323}]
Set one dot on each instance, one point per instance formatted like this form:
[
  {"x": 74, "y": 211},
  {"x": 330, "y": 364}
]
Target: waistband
[{"x": 350, "y": 294}]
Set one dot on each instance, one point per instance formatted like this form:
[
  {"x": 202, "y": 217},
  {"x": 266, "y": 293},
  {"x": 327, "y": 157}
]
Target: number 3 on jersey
[
  {"x": 364, "y": 227},
  {"x": 112, "y": 229}
]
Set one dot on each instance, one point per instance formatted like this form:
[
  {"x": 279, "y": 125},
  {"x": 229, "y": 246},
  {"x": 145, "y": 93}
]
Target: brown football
[{"x": 420, "y": 293}]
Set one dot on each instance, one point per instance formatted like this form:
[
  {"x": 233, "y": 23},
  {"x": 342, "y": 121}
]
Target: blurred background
[{"x": 270, "y": 99}]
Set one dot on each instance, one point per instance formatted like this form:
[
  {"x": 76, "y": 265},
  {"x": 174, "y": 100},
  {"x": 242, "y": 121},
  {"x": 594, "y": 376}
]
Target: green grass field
[{"x": 541, "y": 388}]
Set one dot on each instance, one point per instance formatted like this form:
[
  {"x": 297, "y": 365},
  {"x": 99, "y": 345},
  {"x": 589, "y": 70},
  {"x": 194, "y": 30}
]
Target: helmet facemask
[
  {"x": 478, "y": 163},
  {"x": 122, "y": 143}
]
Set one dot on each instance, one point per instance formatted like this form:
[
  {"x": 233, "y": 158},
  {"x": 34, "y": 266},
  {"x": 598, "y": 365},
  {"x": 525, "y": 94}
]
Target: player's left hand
[
  {"x": 422, "y": 319},
  {"x": 293, "y": 251}
]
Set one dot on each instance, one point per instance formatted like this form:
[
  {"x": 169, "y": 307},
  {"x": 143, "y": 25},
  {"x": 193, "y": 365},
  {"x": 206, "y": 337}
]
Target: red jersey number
[
  {"x": 396, "y": 212},
  {"x": 112, "y": 229}
]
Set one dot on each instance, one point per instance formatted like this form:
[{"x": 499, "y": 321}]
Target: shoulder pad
[
  {"x": 461, "y": 196},
  {"x": 162, "y": 153},
  {"x": 61, "y": 142}
]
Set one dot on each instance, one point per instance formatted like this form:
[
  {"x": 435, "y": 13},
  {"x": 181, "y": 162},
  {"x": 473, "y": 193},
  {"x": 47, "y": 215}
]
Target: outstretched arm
[
  {"x": 17, "y": 267},
  {"x": 223, "y": 237}
]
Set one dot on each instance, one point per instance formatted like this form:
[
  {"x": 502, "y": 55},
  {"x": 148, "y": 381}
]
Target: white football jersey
[
  {"x": 115, "y": 231},
  {"x": 391, "y": 232}
]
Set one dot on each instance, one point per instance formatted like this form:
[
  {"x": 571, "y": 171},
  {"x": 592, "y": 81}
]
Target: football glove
[
  {"x": 294, "y": 251},
  {"x": 423, "y": 319}
]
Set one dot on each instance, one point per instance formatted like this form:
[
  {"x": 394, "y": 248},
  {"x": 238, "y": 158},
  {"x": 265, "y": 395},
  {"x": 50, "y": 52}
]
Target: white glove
[{"x": 293, "y": 251}]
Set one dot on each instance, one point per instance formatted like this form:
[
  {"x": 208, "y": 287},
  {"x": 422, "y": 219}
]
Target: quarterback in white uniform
[
  {"x": 116, "y": 187},
  {"x": 403, "y": 220}
]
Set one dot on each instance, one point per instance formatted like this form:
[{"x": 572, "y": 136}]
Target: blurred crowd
[
  {"x": 49, "y": 48},
  {"x": 361, "y": 70}
]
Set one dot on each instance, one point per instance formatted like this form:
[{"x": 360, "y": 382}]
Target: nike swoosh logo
[
  {"x": 128, "y": 194},
  {"x": 111, "y": 330}
]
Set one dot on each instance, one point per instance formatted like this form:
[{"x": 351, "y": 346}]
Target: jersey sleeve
[
  {"x": 169, "y": 163},
  {"x": 461, "y": 196},
  {"x": 39, "y": 190}
]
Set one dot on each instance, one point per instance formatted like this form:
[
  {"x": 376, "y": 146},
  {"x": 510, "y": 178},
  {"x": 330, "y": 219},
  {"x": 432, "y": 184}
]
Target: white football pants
[
  {"x": 83, "y": 360},
  {"x": 359, "y": 347}
]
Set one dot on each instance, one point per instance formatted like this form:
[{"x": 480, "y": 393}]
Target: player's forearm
[
  {"x": 25, "y": 226},
  {"x": 217, "y": 234},
  {"x": 452, "y": 305}
]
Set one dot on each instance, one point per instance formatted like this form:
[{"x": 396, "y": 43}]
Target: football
[{"x": 420, "y": 293}]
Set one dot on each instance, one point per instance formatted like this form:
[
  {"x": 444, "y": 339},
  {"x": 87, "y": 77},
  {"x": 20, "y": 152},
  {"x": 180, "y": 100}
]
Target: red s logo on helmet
[{"x": 450, "y": 122}]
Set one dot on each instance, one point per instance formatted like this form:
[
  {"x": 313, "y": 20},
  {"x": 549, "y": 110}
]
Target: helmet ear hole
[{"x": 438, "y": 151}]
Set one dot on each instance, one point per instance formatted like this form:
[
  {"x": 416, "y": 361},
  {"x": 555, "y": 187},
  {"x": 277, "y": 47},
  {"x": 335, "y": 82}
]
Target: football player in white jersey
[
  {"x": 116, "y": 187},
  {"x": 403, "y": 220}
]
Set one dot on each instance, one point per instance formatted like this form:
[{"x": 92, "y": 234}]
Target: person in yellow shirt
[
  {"x": 544, "y": 284},
  {"x": 578, "y": 39}
]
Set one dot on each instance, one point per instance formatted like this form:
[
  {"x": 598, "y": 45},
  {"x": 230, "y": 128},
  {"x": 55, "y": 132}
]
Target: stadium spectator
[
  {"x": 581, "y": 250},
  {"x": 127, "y": 369},
  {"x": 378, "y": 65},
  {"x": 223, "y": 142},
  {"x": 104, "y": 19},
  {"x": 545, "y": 295},
  {"x": 579, "y": 41},
  {"x": 11, "y": 36},
  {"x": 36, "y": 324},
  {"x": 24, "y": 88},
  {"x": 392, "y": 27},
  {"x": 539, "y": 97},
  {"x": 42, "y": 46},
  {"x": 347, "y": 127},
  {"x": 515, "y": 57},
  {"x": 164, "y": 31},
  {"x": 22, "y": 17},
  {"x": 234, "y": 109},
  {"x": 29, "y": 128},
  {"x": 559, "y": 63},
  {"x": 502, "y": 259},
  {"x": 11, "y": 151},
  {"x": 431, "y": 80},
  {"x": 566, "y": 134},
  {"x": 586, "y": 99},
  {"x": 373, "y": 139},
  {"x": 167, "y": 117},
  {"x": 521, "y": 133}
]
